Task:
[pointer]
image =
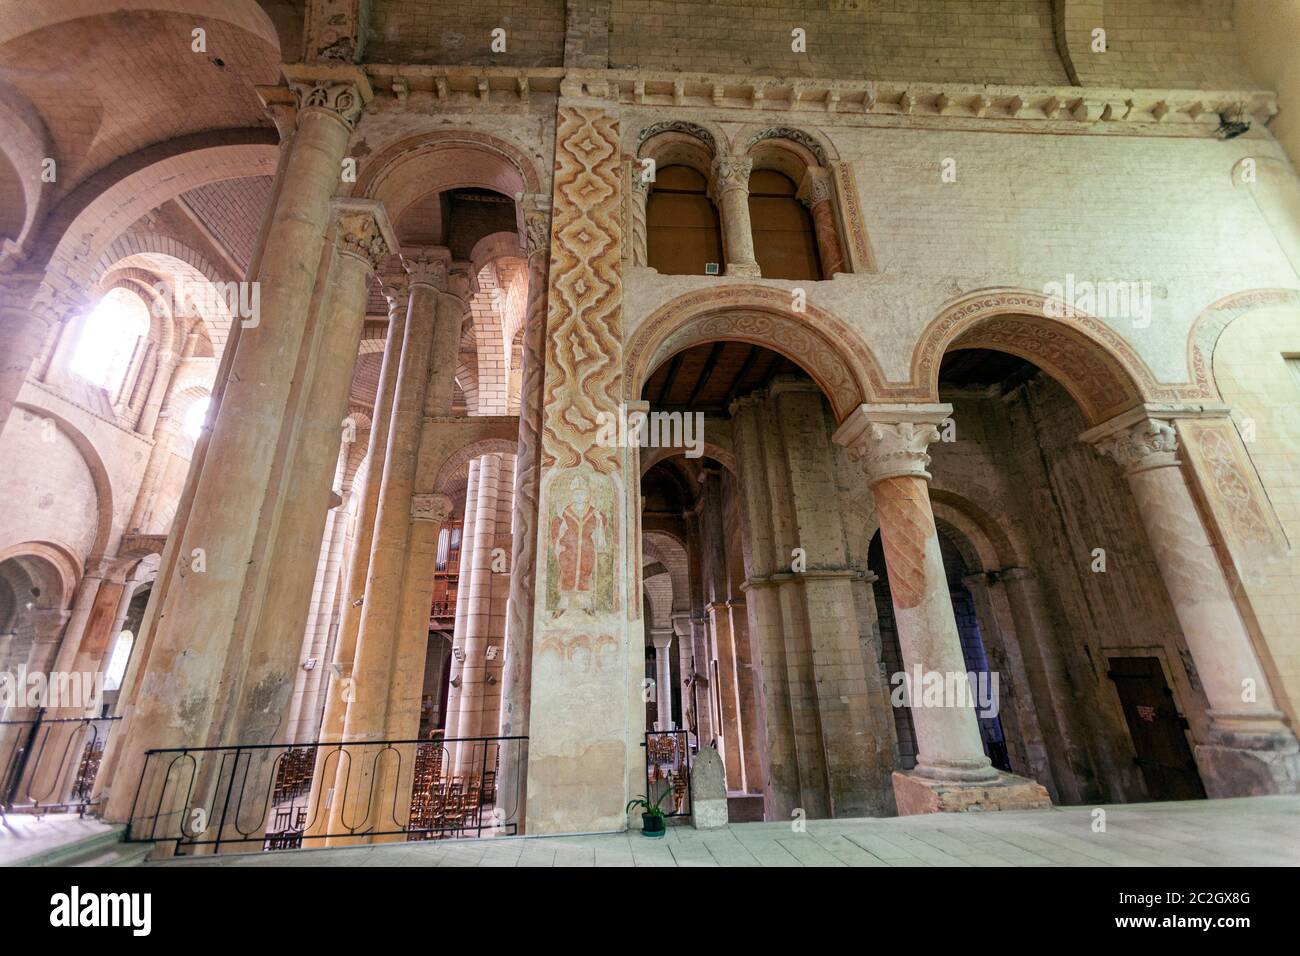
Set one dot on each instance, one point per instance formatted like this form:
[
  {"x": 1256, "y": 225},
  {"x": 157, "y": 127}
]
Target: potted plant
[{"x": 652, "y": 817}]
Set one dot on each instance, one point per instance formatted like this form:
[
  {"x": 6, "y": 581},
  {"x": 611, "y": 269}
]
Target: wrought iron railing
[
  {"x": 49, "y": 764},
  {"x": 288, "y": 796},
  {"x": 668, "y": 767}
]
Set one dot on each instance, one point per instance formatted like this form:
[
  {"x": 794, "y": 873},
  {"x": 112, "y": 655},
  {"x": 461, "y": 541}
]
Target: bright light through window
[
  {"x": 109, "y": 338},
  {"x": 117, "y": 663},
  {"x": 194, "y": 416}
]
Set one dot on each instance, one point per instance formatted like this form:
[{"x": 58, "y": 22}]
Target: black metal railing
[
  {"x": 668, "y": 767},
  {"x": 288, "y": 796},
  {"x": 49, "y": 764}
]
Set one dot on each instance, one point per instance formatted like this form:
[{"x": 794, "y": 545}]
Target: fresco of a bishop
[{"x": 577, "y": 541}]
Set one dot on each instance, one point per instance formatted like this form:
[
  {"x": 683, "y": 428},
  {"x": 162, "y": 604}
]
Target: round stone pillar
[
  {"x": 638, "y": 242},
  {"x": 890, "y": 443},
  {"x": 816, "y": 193},
  {"x": 662, "y": 639},
  {"x": 397, "y": 291},
  {"x": 381, "y": 606},
  {"x": 1243, "y": 714},
  {"x": 730, "y": 188}
]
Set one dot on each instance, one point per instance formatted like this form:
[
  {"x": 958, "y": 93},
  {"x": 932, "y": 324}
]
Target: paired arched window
[
  {"x": 769, "y": 208},
  {"x": 109, "y": 338},
  {"x": 683, "y": 231},
  {"x": 785, "y": 240}
]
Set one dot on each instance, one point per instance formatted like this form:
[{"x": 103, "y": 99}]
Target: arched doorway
[
  {"x": 1086, "y": 607},
  {"x": 774, "y": 628}
]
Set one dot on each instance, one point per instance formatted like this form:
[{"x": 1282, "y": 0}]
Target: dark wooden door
[{"x": 1157, "y": 729}]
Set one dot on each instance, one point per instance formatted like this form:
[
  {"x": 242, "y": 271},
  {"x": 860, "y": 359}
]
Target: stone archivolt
[{"x": 827, "y": 349}]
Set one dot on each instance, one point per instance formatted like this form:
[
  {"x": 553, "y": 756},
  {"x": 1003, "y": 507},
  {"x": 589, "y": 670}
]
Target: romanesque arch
[
  {"x": 1100, "y": 370},
  {"x": 827, "y": 348}
]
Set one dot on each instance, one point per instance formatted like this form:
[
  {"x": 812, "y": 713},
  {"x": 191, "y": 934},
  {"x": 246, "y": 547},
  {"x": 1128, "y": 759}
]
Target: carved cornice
[
  {"x": 890, "y": 441},
  {"x": 1046, "y": 109}
]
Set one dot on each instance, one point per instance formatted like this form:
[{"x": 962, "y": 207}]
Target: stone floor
[
  {"x": 1242, "y": 832},
  {"x": 25, "y": 835}
]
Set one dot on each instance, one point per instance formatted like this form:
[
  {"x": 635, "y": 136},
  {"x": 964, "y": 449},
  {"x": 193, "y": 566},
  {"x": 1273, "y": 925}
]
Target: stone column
[
  {"x": 381, "y": 607},
  {"x": 816, "y": 193},
  {"x": 952, "y": 772},
  {"x": 638, "y": 245},
  {"x": 730, "y": 188},
  {"x": 782, "y": 791},
  {"x": 517, "y": 669},
  {"x": 260, "y": 498},
  {"x": 158, "y": 389},
  {"x": 304, "y": 707},
  {"x": 483, "y": 625},
  {"x": 1251, "y": 749},
  {"x": 428, "y": 513},
  {"x": 388, "y": 590},
  {"x": 281, "y": 104},
  {"x": 459, "y": 633},
  {"x": 717, "y": 595},
  {"x": 397, "y": 291},
  {"x": 662, "y": 639}
]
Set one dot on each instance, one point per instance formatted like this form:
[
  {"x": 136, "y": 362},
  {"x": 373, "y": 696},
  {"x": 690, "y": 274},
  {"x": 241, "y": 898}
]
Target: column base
[
  {"x": 1008, "y": 792},
  {"x": 1241, "y": 772},
  {"x": 746, "y": 269}
]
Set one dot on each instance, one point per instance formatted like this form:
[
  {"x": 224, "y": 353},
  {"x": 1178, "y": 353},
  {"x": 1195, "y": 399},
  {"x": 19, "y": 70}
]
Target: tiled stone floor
[{"x": 1242, "y": 832}]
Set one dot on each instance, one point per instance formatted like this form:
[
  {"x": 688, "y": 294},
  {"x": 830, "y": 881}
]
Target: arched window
[
  {"x": 785, "y": 241},
  {"x": 116, "y": 669},
  {"x": 683, "y": 232},
  {"x": 109, "y": 338},
  {"x": 195, "y": 415}
]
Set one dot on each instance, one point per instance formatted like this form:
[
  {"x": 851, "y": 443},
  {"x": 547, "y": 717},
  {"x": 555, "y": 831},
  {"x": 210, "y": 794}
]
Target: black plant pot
[{"x": 652, "y": 826}]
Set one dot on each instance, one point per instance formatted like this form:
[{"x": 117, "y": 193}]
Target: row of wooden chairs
[
  {"x": 293, "y": 776},
  {"x": 451, "y": 806}
]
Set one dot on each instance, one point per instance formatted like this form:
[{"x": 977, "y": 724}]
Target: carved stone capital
[
  {"x": 537, "y": 224},
  {"x": 362, "y": 230},
  {"x": 731, "y": 172},
  {"x": 816, "y": 188},
  {"x": 341, "y": 91},
  {"x": 429, "y": 266},
  {"x": 396, "y": 289},
  {"x": 435, "y": 508},
  {"x": 1150, "y": 443},
  {"x": 890, "y": 441}
]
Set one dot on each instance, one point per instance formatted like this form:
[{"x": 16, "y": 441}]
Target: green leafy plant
[{"x": 651, "y": 809}]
